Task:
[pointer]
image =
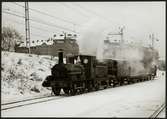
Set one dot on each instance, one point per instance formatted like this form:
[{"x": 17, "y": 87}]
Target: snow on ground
[
  {"x": 22, "y": 75},
  {"x": 135, "y": 100}
]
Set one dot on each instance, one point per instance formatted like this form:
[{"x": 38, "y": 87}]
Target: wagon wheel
[
  {"x": 56, "y": 91},
  {"x": 66, "y": 90}
]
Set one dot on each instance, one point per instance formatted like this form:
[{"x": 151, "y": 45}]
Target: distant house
[{"x": 68, "y": 44}]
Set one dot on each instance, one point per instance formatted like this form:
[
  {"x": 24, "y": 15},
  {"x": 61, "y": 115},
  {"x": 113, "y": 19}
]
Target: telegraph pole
[{"x": 27, "y": 26}]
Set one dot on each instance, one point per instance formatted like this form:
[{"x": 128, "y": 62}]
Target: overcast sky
[{"x": 139, "y": 19}]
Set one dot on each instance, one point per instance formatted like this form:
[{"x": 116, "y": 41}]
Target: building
[{"x": 67, "y": 43}]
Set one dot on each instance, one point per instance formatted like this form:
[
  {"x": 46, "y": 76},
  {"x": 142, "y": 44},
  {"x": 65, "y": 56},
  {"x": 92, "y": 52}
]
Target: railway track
[
  {"x": 158, "y": 111},
  {"x": 17, "y": 101},
  {"x": 45, "y": 98},
  {"x": 25, "y": 102}
]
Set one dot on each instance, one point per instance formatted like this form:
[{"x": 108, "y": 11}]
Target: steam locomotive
[{"x": 84, "y": 73}]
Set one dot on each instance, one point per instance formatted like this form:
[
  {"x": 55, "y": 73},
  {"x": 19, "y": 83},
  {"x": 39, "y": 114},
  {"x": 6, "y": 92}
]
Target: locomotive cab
[{"x": 87, "y": 61}]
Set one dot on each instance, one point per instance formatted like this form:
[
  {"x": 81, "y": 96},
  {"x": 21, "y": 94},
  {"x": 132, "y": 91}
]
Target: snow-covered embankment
[{"x": 22, "y": 75}]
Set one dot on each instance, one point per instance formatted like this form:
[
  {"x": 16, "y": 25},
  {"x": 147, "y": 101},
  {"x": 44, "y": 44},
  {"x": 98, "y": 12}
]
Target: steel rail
[
  {"x": 157, "y": 111},
  {"x": 26, "y": 100},
  {"x": 29, "y": 103}
]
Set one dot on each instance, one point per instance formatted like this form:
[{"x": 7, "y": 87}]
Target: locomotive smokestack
[{"x": 60, "y": 55}]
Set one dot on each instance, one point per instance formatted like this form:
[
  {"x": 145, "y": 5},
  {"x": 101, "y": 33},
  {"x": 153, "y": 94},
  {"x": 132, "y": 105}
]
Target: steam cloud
[
  {"x": 91, "y": 42},
  {"x": 138, "y": 58},
  {"x": 92, "y": 37}
]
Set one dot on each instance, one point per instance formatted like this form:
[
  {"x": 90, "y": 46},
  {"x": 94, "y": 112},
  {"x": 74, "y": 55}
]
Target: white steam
[
  {"x": 91, "y": 42},
  {"x": 123, "y": 52},
  {"x": 92, "y": 37}
]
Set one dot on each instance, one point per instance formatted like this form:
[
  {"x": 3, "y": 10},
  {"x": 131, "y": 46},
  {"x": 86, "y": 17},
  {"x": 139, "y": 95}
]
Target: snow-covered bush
[{"x": 10, "y": 38}]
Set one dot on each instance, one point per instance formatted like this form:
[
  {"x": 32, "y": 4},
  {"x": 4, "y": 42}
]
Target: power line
[
  {"x": 36, "y": 35},
  {"x": 23, "y": 23},
  {"x": 75, "y": 10},
  {"x": 44, "y": 13},
  {"x": 94, "y": 13},
  {"x": 37, "y": 21},
  {"x": 52, "y": 25},
  {"x": 9, "y": 9},
  {"x": 32, "y": 27},
  {"x": 13, "y": 14}
]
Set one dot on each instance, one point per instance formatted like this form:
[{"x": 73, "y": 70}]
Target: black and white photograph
[{"x": 83, "y": 59}]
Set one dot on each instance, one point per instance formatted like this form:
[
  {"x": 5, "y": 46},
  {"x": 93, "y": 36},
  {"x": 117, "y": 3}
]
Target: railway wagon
[{"x": 122, "y": 72}]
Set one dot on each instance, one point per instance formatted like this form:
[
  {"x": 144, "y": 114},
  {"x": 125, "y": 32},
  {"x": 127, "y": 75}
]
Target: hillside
[{"x": 22, "y": 75}]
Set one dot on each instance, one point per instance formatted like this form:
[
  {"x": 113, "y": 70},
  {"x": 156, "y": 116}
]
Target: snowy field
[
  {"x": 22, "y": 75},
  {"x": 135, "y": 100}
]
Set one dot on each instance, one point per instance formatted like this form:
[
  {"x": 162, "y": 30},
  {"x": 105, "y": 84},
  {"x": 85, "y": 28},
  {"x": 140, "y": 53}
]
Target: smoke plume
[
  {"x": 92, "y": 36},
  {"x": 91, "y": 42}
]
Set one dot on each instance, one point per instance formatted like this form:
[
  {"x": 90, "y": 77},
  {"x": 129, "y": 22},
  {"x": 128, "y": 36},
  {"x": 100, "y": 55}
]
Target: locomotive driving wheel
[{"x": 56, "y": 91}]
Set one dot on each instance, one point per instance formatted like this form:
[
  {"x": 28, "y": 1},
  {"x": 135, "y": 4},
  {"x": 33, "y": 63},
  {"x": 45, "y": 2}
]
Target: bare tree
[{"x": 10, "y": 39}]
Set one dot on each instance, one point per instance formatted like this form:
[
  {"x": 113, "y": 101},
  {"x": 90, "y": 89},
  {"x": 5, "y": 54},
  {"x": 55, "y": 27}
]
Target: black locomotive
[{"x": 84, "y": 73}]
